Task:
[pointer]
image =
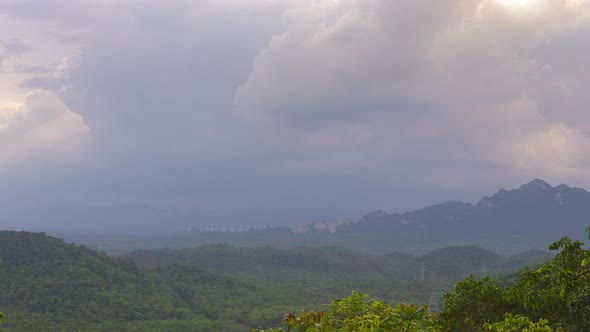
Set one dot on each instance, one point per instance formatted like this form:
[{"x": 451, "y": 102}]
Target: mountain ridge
[
  {"x": 534, "y": 192},
  {"x": 530, "y": 216}
]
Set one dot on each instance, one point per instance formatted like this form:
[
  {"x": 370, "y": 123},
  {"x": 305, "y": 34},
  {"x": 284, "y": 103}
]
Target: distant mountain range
[
  {"x": 526, "y": 217},
  {"x": 533, "y": 208},
  {"x": 508, "y": 222}
]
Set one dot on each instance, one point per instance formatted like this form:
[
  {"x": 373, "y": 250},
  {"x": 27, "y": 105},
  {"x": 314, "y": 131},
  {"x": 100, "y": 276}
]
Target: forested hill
[
  {"x": 47, "y": 284},
  {"x": 231, "y": 260},
  {"x": 396, "y": 277}
]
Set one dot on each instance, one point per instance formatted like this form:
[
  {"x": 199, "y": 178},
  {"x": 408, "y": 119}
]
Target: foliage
[
  {"x": 554, "y": 297},
  {"x": 474, "y": 303},
  {"x": 519, "y": 324},
  {"x": 556, "y": 294},
  {"x": 354, "y": 314},
  {"x": 392, "y": 278},
  {"x": 49, "y": 285},
  {"x": 559, "y": 290}
]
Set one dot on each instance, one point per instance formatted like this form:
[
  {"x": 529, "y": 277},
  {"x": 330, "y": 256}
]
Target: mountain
[
  {"x": 510, "y": 221},
  {"x": 533, "y": 209}
]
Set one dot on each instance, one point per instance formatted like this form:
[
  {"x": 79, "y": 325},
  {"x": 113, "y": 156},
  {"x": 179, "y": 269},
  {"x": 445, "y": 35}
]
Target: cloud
[
  {"x": 304, "y": 103},
  {"x": 41, "y": 131},
  {"x": 341, "y": 59},
  {"x": 64, "y": 13},
  {"x": 158, "y": 75},
  {"x": 351, "y": 88},
  {"x": 12, "y": 48}
]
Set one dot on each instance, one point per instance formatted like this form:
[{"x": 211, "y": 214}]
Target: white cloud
[
  {"x": 379, "y": 84},
  {"x": 41, "y": 131}
]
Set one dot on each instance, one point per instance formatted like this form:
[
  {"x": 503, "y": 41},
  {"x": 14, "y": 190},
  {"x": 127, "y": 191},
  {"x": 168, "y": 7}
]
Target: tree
[
  {"x": 557, "y": 295},
  {"x": 473, "y": 304},
  {"x": 560, "y": 290},
  {"x": 552, "y": 298},
  {"x": 519, "y": 324},
  {"x": 355, "y": 314}
]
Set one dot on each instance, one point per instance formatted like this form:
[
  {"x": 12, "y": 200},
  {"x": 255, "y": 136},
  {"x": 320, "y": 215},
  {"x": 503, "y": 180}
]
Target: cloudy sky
[{"x": 284, "y": 111}]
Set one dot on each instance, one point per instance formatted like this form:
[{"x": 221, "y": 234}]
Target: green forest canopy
[
  {"x": 49, "y": 285},
  {"x": 553, "y": 297}
]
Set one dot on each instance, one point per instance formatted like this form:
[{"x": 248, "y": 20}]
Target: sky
[{"x": 286, "y": 111}]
